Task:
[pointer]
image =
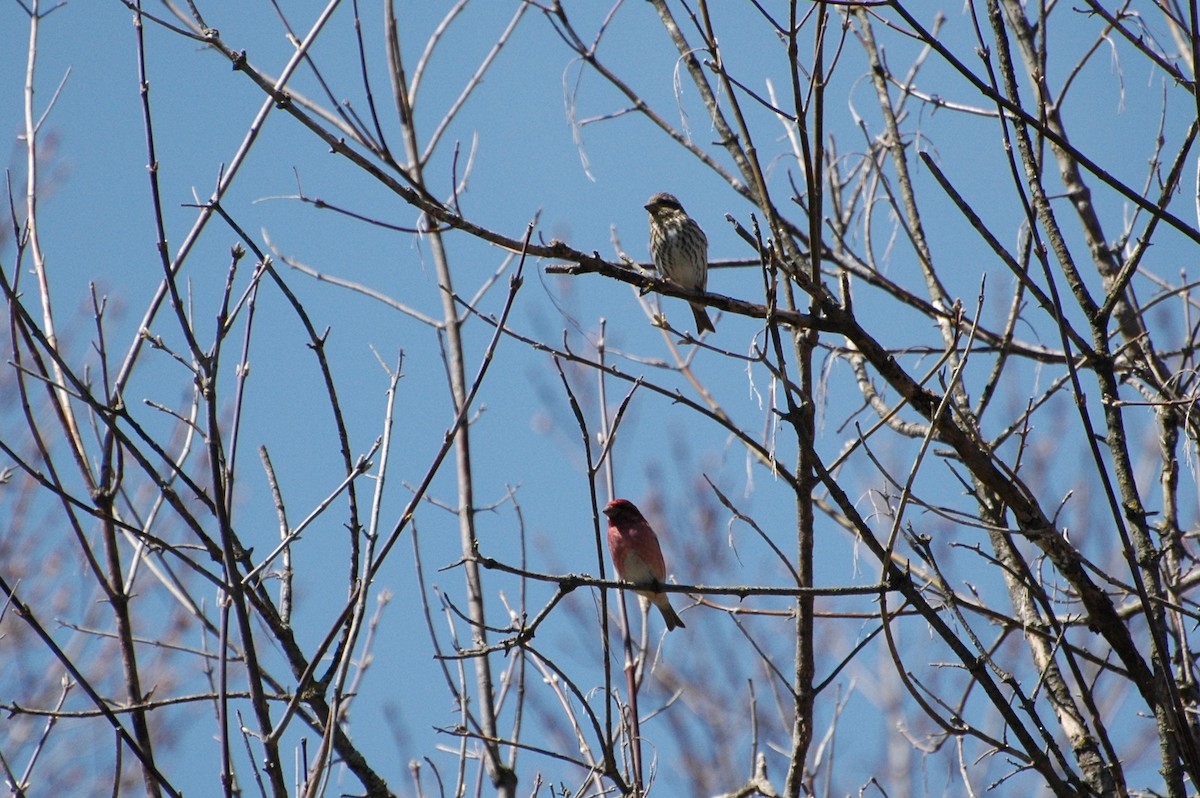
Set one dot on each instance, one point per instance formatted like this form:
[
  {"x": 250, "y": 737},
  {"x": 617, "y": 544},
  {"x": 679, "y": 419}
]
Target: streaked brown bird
[
  {"x": 637, "y": 556},
  {"x": 680, "y": 250}
]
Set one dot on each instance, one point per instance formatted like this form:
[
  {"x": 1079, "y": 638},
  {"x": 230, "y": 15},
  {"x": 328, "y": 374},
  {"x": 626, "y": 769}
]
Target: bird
[
  {"x": 637, "y": 556},
  {"x": 680, "y": 250}
]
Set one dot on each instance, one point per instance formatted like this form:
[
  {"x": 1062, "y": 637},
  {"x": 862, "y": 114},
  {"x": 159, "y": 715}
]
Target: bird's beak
[
  {"x": 648, "y": 207},
  {"x": 607, "y": 511}
]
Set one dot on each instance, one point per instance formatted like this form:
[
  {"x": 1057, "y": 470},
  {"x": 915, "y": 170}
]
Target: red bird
[{"x": 636, "y": 555}]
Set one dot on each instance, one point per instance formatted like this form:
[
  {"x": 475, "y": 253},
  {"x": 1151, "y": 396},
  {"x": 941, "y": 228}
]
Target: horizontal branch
[
  {"x": 141, "y": 706},
  {"x": 594, "y": 264},
  {"x": 569, "y": 582}
]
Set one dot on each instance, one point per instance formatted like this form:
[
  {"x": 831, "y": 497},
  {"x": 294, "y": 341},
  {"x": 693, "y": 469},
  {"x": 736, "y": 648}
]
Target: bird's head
[
  {"x": 663, "y": 203},
  {"x": 622, "y": 510}
]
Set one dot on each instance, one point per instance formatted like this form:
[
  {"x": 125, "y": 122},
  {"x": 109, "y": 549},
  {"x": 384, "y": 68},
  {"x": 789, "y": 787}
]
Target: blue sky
[{"x": 96, "y": 224}]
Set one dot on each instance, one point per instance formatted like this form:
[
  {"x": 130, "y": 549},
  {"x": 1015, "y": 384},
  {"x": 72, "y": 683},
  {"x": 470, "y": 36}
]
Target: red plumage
[{"x": 637, "y": 556}]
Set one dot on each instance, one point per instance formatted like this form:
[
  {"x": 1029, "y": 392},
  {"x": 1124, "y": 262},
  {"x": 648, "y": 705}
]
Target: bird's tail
[
  {"x": 668, "y": 612},
  {"x": 703, "y": 324}
]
